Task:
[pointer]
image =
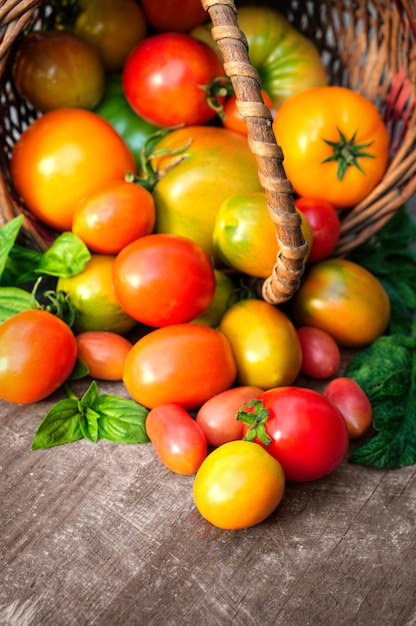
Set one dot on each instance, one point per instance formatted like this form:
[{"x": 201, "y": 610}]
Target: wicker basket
[{"x": 367, "y": 45}]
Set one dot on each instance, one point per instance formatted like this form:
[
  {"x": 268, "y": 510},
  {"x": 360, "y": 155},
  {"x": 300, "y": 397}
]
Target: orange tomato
[
  {"x": 114, "y": 216},
  {"x": 325, "y": 123},
  {"x": 233, "y": 120},
  {"x": 61, "y": 157},
  {"x": 103, "y": 353},
  {"x": 343, "y": 299},
  {"x": 238, "y": 485},
  {"x": 183, "y": 364}
]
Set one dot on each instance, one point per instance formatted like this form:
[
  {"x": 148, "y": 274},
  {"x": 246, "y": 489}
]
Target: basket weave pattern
[{"x": 368, "y": 46}]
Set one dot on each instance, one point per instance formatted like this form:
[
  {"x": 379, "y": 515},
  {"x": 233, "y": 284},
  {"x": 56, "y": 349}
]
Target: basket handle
[{"x": 290, "y": 262}]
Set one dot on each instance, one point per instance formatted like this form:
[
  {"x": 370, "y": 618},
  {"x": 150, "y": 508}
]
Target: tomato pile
[{"x": 141, "y": 156}]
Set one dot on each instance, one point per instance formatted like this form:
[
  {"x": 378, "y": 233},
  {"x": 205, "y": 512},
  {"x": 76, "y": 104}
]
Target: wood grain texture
[{"x": 103, "y": 534}]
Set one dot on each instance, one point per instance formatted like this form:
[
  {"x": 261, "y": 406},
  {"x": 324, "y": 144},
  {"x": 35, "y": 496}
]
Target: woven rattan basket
[{"x": 367, "y": 45}]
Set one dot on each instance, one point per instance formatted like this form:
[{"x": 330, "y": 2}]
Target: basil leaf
[
  {"x": 89, "y": 424},
  {"x": 90, "y": 396},
  {"x": 121, "y": 420},
  {"x": 60, "y": 425},
  {"x": 8, "y": 235},
  {"x": 80, "y": 370},
  {"x": 14, "y": 300},
  {"x": 66, "y": 256}
]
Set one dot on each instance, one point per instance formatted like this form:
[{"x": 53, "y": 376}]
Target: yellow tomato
[{"x": 265, "y": 344}]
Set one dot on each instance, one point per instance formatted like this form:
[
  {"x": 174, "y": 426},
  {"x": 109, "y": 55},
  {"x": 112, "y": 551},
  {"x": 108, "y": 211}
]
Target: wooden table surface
[{"x": 104, "y": 534}]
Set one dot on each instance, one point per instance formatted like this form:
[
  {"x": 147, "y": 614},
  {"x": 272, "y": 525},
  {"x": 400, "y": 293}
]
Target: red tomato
[
  {"x": 103, "y": 353},
  {"x": 174, "y": 15},
  {"x": 114, "y": 216},
  {"x": 184, "y": 363},
  {"x": 325, "y": 224},
  {"x": 163, "y": 279},
  {"x": 163, "y": 76},
  {"x": 352, "y": 401},
  {"x": 321, "y": 356},
  {"x": 233, "y": 120},
  {"x": 37, "y": 355},
  {"x": 179, "y": 441},
  {"x": 63, "y": 156},
  {"x": 301, "y": 429},
  {"x": 218, "y": 415}
]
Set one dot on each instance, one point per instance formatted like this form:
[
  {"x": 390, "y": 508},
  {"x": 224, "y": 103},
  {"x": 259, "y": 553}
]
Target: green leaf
[
  {"x": 80, "y": 370},
  {"x": 386, "y": 371},
  {"x": 121, "y": 420},
  {"x": 14, "y": 300},
  {"x": 66, "y": 256},
  {"x": 21, "y": 265},
  {"x": 8, "y": 235},
  {"x": 60, "y": 425},
  {"x": 89, "y": 424},
  {"x": 90, "y": 396}
]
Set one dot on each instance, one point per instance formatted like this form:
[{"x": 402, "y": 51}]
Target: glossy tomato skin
[
  {"x": 325, "y": 224},
  {"x": 218, "y": 415},
  {"x": 93, "y": 296},
  {"x": 238, "y": 485},
  {"x": 265, "y": 343},
  {"x": 343, "y": 299},
  {"x": 104, "y": 353},
  {"x": 184, "y": 364},
  {"x": 55, "y": 69},
  {"x": 225, "y": 294},
  {"x": 61, "y": 157},
  {"x": 304, "y": 125},
  {"x": 37, "y": 352},
  {"x": 163, "y": 279},
  {"x": 353, "y": 403},
  {"x": 114, "y": 28},
  {"x": 162, "y": 77},
  {"x": 114, "y": 216},
  {"x": 174, "y": 15},
  {"x": 308, "y": 434},
  {"x": 214, "y": 163},
  {"x": 179, "y": 441},
  {"x": 321, "y": 356}
]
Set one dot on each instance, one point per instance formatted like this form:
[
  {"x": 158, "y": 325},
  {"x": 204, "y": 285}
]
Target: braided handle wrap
[{"x": 287, "y": 272}]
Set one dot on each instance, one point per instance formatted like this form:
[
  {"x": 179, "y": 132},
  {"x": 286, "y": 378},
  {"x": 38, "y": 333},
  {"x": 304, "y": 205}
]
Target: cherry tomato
[
  {"x": 335, "y": 144},
  {"x": 163, "y": 78},
  {"x": 238, "y": 485},
  {"x": 244, "y": 234},
  {"x": 218, "y": 415},
  {"x": 300, "y": 428},
  {"x": 114, "y": 216},
  {"x": 179, "y": 441},
  {"x": 55, "y": 69},
  {"x": 37, "y": 355},
  {"x": 113, "y": 27},
  {"x": 93, "y": 295},
  {"x": 103, "y": 353},
  {"x": 174, "y": 15},
  {"x": 353, "y": 403},
  {"x": 183, "y": 363},
  {"x": 213, "y": 163},
  {"x": 325, "y": 224},
  {"x": 232, "y": 118},
  {"x": 163, "y": 279},
  {"x": 321, "y": 356},
  {"x": 265, "y": 343},
  {"x": 345, "y": 300},
  {"x": 63, "y": 156}
]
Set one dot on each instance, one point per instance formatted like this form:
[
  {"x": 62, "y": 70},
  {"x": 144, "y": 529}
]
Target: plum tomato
[
  {"x": 37, "y": 355},
  {"x": 325, "y": 224},
  {"x": 104, "y": 353},
  {"x": 178, "y": 440},
  {"x": 321, "y": 356},
  {"x": 218, "y": 415},
  {"x": 300, "y": 428},
  {"x": 163, "y": 279},
  {"x": 184, "y": 364},
  {"x": 353, "y": 403},
  {"x": 174, "y": 15},
  {"x": 238, "y": 485}
]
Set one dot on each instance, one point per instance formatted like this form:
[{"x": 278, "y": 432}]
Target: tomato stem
[
  {"x": 346, "y": 152},
  {"x": 256, "y": 420}
]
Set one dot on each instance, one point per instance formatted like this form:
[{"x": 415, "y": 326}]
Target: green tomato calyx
[
  {"x": 346, "y": 153},
  {"x": 255, "y": 415}
]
